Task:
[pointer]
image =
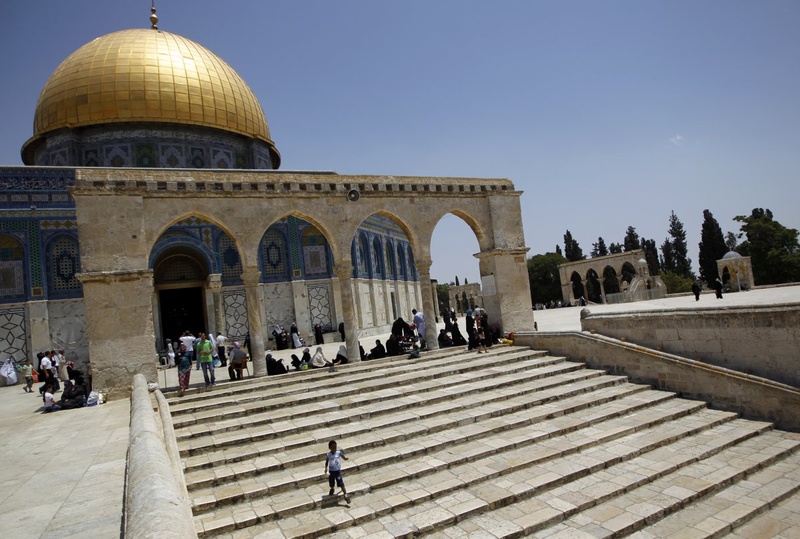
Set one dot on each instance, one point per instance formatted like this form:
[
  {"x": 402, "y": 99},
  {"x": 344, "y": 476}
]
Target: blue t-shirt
[{"x": 334, "y": 460}]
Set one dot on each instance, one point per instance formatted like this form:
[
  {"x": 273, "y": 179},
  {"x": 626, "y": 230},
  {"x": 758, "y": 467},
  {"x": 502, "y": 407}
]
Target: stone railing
[
  {"x": 156, "y": 501},
  {"x": 725, "y": 389}
]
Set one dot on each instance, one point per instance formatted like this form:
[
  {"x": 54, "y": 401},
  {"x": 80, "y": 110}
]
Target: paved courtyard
[{"x": 64, "y": 473}]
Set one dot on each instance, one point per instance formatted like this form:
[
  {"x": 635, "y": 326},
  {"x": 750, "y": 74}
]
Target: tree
[
  {"x": 457, "y": 281},
  {"x": 631, "y": 241},
  {"x": 667, "y": 257},
  {"x": 676, "y": 283},
  {"x": 599, "y": 248},
  {"x": 773, "y": 249},
  {"x": 544, "y": 277},
  {"x": 558, "y": 250},
  {"x": 614, "y": 248},
  {"x": 730, "y": 241},
  {"x": 712, "y": 247},
  {"x": 651, "y": 255},
  {"x": 572, "y": 251},
  {"x": 680, "y": 251}
]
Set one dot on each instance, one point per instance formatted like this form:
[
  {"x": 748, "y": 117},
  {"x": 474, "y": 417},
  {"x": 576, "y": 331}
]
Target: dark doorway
[{"x": 181, "y": 309}]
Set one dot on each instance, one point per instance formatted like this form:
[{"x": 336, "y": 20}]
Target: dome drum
[{"x": 150, "y": 145}]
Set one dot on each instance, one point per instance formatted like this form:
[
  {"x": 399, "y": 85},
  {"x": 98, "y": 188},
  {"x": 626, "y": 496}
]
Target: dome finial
[{"x": 153, "y": 16}]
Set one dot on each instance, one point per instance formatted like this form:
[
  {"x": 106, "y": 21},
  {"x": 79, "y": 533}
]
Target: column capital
[
  {"x": 214, "y": 281},
  {"x": 251, "y": 276},
  {"x": 423, "y": 265},
  {"x": 343, "y": 269}
]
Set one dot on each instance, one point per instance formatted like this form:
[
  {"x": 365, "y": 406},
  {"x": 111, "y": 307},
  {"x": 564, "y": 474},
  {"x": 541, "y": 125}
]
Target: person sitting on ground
[
  {"x": 238, "y": 361},
  {"x": 72, "y": 397},
  {"x": 378, "y": 352},
  {"x": 341, "y": 355},
  {"x": 296, "y": 362},
  {"x": 319, "y": 361},
  {"x": 305, "y": 361},
  {"x": 49, "y": 402},
  {"x": 393, "y": 346},
  {"x": 444, "y": 339},
  {"x": 275, "y": 366}
]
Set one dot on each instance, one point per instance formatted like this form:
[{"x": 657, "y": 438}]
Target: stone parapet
[
  {"x": 155, "y": 504},
  {"x": 759, "y": 340},
  {"x": 725, "y": 389}
]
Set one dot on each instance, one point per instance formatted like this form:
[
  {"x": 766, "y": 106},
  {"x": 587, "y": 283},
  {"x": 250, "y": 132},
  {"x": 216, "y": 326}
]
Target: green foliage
[
  {"x": 651, "y": 255},
  {"x": 631, "y": 241},
  {"x": 773, "y": 249},
  {"x": 543, "y": 276},
  {"x": 443, "y": 296},
  {"x": 712, "y": 247},
  {"x": 676, "y": 283},
  {"x": 683, "y": 265},
  {"x": 614, "y": 248},
  {"x": 572, "y": 251},
  {"x": 599, "y": 248}
]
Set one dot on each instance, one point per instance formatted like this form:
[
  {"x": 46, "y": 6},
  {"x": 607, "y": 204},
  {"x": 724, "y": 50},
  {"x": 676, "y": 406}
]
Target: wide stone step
[
  {"x": 730, "y": 508},
  {"x": 338, "y": 412},
  {"x": 443, "y": 473},
  {"x": 782, "y": 520},
  {"x": 352, "y": 378},
  {"x": 411, "y": 424},
  {"x": 225, "y": 413},
  {"x": 468, "y": 425}
]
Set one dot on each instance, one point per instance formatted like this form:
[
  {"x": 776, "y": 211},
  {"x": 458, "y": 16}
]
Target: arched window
[
  {"x": 230, "y": 262},
  {"x": 12, "y": 269},
  {"x": 401, "y": 261},
  {"x": 391, "y": 270},
  {"x": 377, "y": 258},
  {"x": 412, "y": 269},
  {"x": 63, "y": 264},
  {"x": 363, "y": 253},
  {"x": 274, "y": 263}
]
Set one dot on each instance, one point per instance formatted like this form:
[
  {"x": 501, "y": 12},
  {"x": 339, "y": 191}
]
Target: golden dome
[{"x": 146, "y": 75}]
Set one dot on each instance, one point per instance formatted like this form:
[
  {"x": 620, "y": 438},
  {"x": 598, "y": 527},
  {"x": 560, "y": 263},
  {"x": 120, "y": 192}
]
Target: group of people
[
  {"x": 292, "y": 339},
  {"x": 203, "y": 351},
  {"x": 53, "y": 370}
]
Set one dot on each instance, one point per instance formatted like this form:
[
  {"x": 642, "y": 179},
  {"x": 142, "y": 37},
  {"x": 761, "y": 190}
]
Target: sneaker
[
  {"x": 347, "y": 498},
  {"x": 330, "y": 492}
]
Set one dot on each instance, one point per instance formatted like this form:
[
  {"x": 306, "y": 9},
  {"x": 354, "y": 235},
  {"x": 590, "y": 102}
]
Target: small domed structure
[
  {"x": 144, "y": 97},
  {"x": 731, "y": 254}
]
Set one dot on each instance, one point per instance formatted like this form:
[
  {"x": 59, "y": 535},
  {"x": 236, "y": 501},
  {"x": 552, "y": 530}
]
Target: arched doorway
[{"x": 179, "y": 277}]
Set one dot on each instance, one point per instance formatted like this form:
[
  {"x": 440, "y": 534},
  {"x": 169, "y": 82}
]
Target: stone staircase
[{"x": 507, "y": 444}]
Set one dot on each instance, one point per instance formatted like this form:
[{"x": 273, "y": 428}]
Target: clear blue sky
[{"x": 606, "y": 114}]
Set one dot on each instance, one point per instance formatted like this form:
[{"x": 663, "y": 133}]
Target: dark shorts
[{"x": 336, "y": 477}]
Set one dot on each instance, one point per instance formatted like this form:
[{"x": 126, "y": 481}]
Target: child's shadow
[{"x": 336, "y": 500}]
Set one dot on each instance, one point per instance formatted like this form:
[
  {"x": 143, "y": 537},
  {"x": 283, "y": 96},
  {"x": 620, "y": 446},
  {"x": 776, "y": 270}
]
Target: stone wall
[
  {"x": 724, "y": 389},
  {"x": 759, "y": 340}
]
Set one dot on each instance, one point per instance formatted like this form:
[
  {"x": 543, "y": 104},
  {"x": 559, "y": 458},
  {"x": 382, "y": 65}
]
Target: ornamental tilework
[
  {"x": 315, "y": 259},
  {"x": 13, "y": 332},
  {"x": 221, "y": 158},
  {"x": 235, "y": 305},
  {"x": 145, "y": 154},
  {"x": 12, "y": 279},
  {"x": 91, "y": 158},
  {"x": 197, "y": 157},
  {"x": 319, "y": 304},
  {"x": 172, "y": 156},
  {"x": 118, "y": 155}
]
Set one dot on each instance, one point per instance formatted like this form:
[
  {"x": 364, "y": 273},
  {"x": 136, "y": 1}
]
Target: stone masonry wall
[
  {"x": 750, "y": 396},
  {"x": 764, "y": 341}
]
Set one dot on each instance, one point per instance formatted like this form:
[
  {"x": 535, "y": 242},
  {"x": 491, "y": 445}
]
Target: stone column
[
  {"x": 424, "y": 270},
  {"x": 506, "y": 289},
  {"x": 344, "y": 271},
  {"x": 217, "y": 308},
  {"x": 602, "y": 292},
  {"x": 251, "y": 278},
  {"x": 119, "y": 327}
]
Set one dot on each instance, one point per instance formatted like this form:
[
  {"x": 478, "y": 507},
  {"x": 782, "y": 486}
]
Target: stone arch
[
  {"x": 474, "y": 225},
  {"x": 593, "y": 289},
  {"x": 610, "y": 280},
  {"x": 334, "y": 247},
  {"x": 577, "y": 285},
  {"x": 207, "y": 218},
  {"x": 627, "y": 272}
]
